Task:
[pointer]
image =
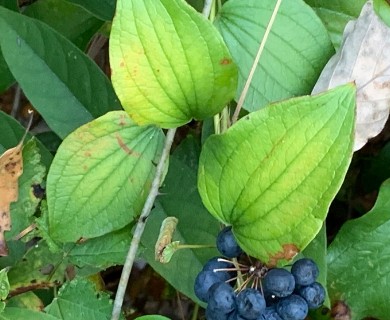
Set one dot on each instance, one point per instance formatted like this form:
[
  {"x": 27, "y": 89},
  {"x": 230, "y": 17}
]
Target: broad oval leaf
[
  {"x": 359, "y": 255},
  {"x": 66, "y": 87},
  {"x": 169, "y": 64},
  {"x": 363, "y": 58},
  {"x": 100, "y": 177},
  {"x": 296, "y": 50},
  {"x": 274, "y": 173}
]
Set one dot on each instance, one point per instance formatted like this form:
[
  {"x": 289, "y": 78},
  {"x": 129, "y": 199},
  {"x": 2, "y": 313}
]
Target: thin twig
[
  {"x": 16, "y": 103},
  {"x": 141, "y": 226},
  {"x": 255, "y": 62}
]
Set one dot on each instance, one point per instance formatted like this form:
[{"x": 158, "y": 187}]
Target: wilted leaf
[
  {"x": 167, "y": 229},
  {"x": 169, "y": 64},
  {"x": 273, "y": 174},
  {"x": 358, "y": 261},
  {"x": 364, "y": 58},
  {"x": 11, "y": 168}
]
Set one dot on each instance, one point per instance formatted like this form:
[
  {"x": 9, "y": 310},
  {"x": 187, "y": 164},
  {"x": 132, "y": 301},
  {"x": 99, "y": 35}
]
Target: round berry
[
  {"x": 314, "y": 295},
  {"x": 227, "y": 244},
  {"x": 292, "y": 307},
  {"x": 305, "y": 271},
  {"x": 250, "y": 303},
  {"x": 204, "y": 280},
  {"x": 222, "y": 298},
  {"x": 278, "y": 282},
  {"x": 217, "y": 315},
  {"x": 214, "y": 265},
  {"x": 270, "y": 314}
]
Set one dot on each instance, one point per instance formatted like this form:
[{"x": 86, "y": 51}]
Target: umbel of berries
[{"x": 265, "y": 293}]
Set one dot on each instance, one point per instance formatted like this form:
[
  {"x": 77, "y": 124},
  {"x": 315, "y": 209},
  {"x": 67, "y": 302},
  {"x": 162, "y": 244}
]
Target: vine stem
[
  {"x": 139, "y": 229},
  {"x": 255, "y": 62}
]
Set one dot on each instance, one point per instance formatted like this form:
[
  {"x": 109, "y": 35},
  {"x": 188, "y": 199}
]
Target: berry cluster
[{"x": 264, "y": 294}]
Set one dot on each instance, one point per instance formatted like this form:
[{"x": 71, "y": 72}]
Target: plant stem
[
  {"x": 141, "y": 226},
  {"x": 195, "y": 246},
  {"x": 255, "y": 62},
  {"x": 208, "y": 4}
]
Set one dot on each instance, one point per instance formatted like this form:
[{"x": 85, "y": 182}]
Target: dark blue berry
[
  {"x": 305, "y": 271},
  {"x": 213, "y": 264},
  {"x": 215, "y": 315},
  {"x": 227, "y": 244},
  {"x": 270, "y": 314},
  {"x": 203, "y": 282},
  {"x": 222, "y": 298},
  {"x": 314, "y": 295},
  {"x": 278, "y": 282},
  {"x": 250, "y": 303},
  {"x": 292, "y": 307}
]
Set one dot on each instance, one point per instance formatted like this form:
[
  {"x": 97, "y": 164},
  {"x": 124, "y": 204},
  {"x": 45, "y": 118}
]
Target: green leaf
[
  {"x": 10, "y": 4},
  {"x": 296, "y": 50},
  {"x": 11, "y": 134},
  {"x": 39, "y": 268},
  {"x": 16, "y": 250},
  {"x": 358, "y": 268},
  {"x": 6, "y": 78},
  {"x": 22, "y": 313},
  {"x": 79, "y": 299},
  {"x": 72, "y": 21},
  {"x": 335, "y": 15},
  {"x": 382, "y": 9},
  {"x": 100, "y": 177},
  {"x": 27, "y": 300},
  {"x": 23, "y": 210},
  {"x": 70, "y": 89},
  {"x": 169, "y": 64},
  {"x": 101, "y": 252},
  {"x": 103, "y": 9},
  {"x": 273, "y": 174},
  {"x": 4, "y": 284},
  {"x": 195, "y": 226},
  {"x": 152, "y": 317}
]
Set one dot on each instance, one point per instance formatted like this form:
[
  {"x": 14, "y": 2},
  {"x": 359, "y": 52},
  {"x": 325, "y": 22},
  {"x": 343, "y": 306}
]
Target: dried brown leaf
[
  {"x": 364, "y": 58},
  {"x": 11, "y": 168}
]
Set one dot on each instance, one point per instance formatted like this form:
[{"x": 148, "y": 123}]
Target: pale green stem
[
  {"x": 141, "y": 226},
  {"x": 255, "y": 62}
]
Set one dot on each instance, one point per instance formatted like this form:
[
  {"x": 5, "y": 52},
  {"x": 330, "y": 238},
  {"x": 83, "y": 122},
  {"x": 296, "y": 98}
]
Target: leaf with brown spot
[{"x": 11, "y": 168}]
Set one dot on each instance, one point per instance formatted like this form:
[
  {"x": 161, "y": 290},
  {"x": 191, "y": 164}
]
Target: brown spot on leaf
[
  {"x": 340, "y": 311},
  {"x": 87, "y": 153},
  {"x": 122, "y": 64},
  {"x": 289, "y": 251},
  {"x": 225, "y": 61},
  {"x": 123, "y": 146},
  {"x": 122, "y": 120}
]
